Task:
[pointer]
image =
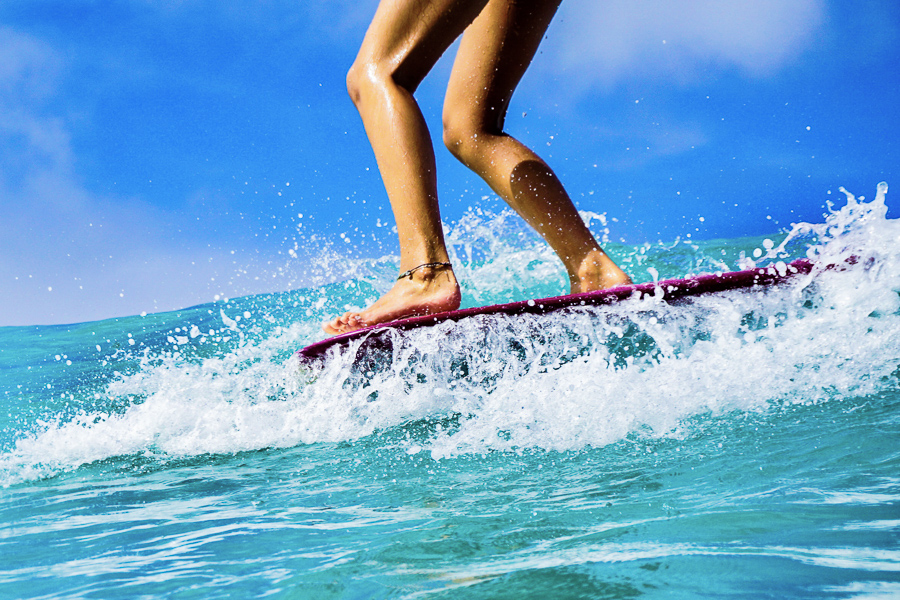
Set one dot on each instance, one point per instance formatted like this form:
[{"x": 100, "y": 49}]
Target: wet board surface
[{"x": 670, "y": 290}]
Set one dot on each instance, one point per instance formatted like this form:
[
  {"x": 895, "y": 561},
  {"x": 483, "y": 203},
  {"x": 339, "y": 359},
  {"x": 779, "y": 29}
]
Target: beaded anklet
[{"x": 414, "y": 269}]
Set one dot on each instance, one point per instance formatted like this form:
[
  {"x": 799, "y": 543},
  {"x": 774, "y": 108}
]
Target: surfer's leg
[
  {"x": 494, "y": 53},
  {"x": 403, "y": 42}
]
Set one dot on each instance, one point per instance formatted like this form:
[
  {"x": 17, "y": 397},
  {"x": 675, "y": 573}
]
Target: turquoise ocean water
[{"x": 745, "y": 445}]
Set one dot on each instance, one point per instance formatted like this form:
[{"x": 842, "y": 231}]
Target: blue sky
[{"x": 154, "y": 155}]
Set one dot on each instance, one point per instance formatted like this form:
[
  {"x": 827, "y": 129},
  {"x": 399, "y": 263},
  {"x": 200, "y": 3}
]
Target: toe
[
  {"x": 336, "y": 325},
  {"x": 345, "y": 323}
]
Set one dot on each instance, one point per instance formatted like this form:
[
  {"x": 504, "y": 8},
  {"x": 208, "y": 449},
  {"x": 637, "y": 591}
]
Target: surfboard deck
[{"x": 670, "y": 289}]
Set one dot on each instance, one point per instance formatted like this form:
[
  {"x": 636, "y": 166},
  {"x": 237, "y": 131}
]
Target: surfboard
[{"x": 670, "y": 290}]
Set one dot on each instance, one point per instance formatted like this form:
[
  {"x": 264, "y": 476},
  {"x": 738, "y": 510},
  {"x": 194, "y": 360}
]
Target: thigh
[
  {"x": 494, "y": 54},
  {"x": 406, "y": 37}
]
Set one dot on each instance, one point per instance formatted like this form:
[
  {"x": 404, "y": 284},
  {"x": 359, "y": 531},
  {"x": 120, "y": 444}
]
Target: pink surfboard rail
[{"x": 671, "y": 289}]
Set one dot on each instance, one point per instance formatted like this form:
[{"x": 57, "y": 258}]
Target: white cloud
[
  {"x": 29, "y": 67},
  {"x": 609, "y": 42},
  {"x": 68, "y": 255}
]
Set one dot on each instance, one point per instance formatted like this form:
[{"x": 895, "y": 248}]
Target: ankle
[
  {"x": 426, "y": 271},
  {"x": 597, "y": 271},
  {"x": 591, "y": 266}
]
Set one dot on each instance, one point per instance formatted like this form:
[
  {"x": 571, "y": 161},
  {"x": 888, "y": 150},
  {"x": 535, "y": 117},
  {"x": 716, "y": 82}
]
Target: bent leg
[
  {"x": 403, "y": 42},
  {"x": 494, "y": 54}
]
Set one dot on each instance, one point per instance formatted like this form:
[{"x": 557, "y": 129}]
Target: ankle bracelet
[{"x": 414, "y": 269}]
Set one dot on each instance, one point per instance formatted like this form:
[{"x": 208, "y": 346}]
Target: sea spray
[{"x": 585, "y": 378}]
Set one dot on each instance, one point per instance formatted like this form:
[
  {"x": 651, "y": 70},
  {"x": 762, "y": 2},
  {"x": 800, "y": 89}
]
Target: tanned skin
[{"x": 499, "y": 40}]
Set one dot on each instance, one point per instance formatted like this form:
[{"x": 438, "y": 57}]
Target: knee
[
  {"x": 463, "y": 137},
  {"x": 357, "y": 82},
  {"x": 469, "y": 134},
  {"x": 370, "y": 77},
  {"x": 367, "y": 78}
]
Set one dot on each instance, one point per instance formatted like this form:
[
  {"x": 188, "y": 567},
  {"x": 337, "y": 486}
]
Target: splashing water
[
  {"x": 220, "y": 383},
  {"x": 744, "y": 442}
]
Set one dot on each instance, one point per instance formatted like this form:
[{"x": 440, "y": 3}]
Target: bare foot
[
  {"x": 598, "y": 272},
  {"x": 426, "y": 291}
]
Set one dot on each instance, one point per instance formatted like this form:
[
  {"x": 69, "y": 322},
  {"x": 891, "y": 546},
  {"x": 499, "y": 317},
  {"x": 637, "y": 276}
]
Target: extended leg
[
  {"x": 494, "y": 54},
  {"x": 403, "y": 42}
]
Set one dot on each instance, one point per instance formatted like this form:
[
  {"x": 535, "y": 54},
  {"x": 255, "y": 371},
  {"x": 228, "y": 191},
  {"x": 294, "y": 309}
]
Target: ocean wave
[{"x": 220, "y": 379}]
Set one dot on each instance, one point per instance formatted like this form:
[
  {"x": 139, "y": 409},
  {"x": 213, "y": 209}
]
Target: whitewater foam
[{"x": 584, "y": 378}]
